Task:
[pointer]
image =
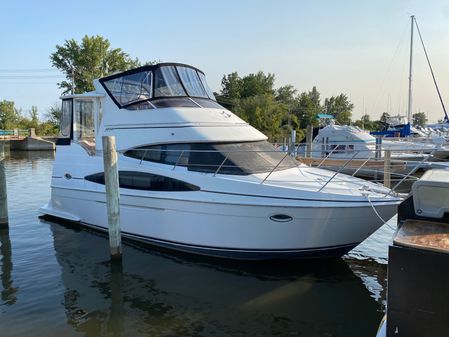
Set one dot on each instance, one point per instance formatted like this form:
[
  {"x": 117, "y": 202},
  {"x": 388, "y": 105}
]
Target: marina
[{"x": 215, "y": 169}]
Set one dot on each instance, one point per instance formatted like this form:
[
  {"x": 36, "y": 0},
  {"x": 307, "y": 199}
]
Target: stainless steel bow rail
[{"x": 388, "y": 171}]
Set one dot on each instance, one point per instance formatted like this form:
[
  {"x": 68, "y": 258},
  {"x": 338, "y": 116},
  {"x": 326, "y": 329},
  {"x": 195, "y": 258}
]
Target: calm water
[{"x": 57, "y": 281}]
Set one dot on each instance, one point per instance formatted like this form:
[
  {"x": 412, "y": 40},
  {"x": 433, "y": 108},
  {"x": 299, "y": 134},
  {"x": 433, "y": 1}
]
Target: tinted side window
[
  {"x": 146, "y": 182},
  {"x": 224, "y": 158},
  {"x": 66, "y": 118}
]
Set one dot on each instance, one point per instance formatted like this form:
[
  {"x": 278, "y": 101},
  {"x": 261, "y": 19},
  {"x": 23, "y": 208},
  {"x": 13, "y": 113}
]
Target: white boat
[{"x": 195, "y": 177}]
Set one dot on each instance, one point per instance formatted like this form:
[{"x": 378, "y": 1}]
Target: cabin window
[
  {"x": 66, "y": 118},
  {"x": 131, "y": 88},
  {"x": 206, "y": 86},
  {"x": 191, "y": 81},
  {"x": 84, "y": 120},
  {"x": 230, "y": 158},
  {"x": 145, "y": 182},
  {"x": 134, "y": 88},
  {"x": 167, "y": 83},
  {"x": 338, "y": 148}
]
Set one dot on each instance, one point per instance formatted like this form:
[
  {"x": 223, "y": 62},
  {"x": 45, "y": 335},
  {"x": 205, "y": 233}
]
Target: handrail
[
  {"x": 364, "y": 163},
  {"x": 327, "y": 156},
  {"x": 339, "y": 171},
  {"x": 400, "y": 168},
  {"x": 274, "y": 168},
  {"x": 177, "y": 160},
  {"x": 413, "y": 170},
  {"x": 143, "y": 156},
  {"x": 222, "y": 163}
]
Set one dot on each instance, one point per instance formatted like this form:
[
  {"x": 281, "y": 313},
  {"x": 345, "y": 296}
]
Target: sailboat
[{"x": 396, "y": 126}]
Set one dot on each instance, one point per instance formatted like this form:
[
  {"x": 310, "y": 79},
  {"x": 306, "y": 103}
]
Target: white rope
[{"x": 377, "y": 213}]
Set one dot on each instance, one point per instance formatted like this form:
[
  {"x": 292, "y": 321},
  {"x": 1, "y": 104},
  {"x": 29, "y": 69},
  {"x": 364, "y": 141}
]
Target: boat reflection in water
[
  {"x": 8, "y": 293},
  {"x": 154, "y": 293}
]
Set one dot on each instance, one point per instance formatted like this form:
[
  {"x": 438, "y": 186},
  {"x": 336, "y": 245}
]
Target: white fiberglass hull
[{"x": 239, "y": 227}]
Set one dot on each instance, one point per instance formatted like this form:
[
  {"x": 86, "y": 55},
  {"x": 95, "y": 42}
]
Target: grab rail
[{"x": 402, "y": 170}]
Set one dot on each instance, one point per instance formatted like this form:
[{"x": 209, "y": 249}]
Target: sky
[{"x": 356, "y": 47}]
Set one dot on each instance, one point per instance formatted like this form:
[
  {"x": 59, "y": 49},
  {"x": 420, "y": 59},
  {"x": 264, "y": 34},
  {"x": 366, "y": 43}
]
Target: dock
[
  {"x": 28, "y": 142},
  {"x": 418, "y": 261}
]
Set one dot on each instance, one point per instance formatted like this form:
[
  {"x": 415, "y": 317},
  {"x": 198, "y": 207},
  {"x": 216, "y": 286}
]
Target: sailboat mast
[{"x": 409, "y": 108}]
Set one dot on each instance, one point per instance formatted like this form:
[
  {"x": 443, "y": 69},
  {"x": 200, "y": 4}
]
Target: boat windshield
[
  {"x": 223, "y": 158},
  {"x": 156, "y": 84}
]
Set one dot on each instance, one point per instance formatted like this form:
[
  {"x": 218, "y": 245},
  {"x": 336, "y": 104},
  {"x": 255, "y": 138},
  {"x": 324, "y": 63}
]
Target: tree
[
  {"x": 308, "y": 108},
  {"x": 419, "y": 119},
  {"x": 366, "y": 123},
  {"x": 9, "y": 115},
  {"x": 234, "y": 87},
  {"x": 264, "y": 113},
  {"x": 231, "y": 86},
  {"x": 340, "y": 107},
  {"x": 286, "y": 94},
  {"x": 93, "y": 58},
  {"x": 53, "y": 115},
  {"x": 34, "y": 118},
  {"x": 257, "y": 84},
  {"x": 385, "y": 116}
]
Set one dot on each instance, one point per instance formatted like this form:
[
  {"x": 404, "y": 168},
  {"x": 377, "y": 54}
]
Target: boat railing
[{"x": 361, "y": 163}]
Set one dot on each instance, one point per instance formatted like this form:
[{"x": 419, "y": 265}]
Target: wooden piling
[
  {"x": 3, "y": 192},
  {"x": 387, "y": 168},
  {"x": 112, "y": 196},
  {"x": 292, "y": 150},
  {"x": 309, "y": 140}
]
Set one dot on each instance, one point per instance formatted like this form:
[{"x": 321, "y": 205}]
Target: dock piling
[
  {"x": 309, "y": 140},
  {"x": 3, "y": 192},
  {"x": 112, "y": 196},
  {"x": 387, "y": 168}
]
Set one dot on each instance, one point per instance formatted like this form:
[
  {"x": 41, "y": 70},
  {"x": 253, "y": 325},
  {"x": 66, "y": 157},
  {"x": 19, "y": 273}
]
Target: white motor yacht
[{"x": 194, "y": 177}]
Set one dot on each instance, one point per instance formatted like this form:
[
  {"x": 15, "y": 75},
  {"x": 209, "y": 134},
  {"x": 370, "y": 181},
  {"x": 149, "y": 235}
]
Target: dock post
[
  {"x": 378, "y": 154},
  {"x": 111, "y": 179},
  {"x": 3, "y": 192},
  {"x": 309, "y": 140},
  {"x": 387, "y": 168},
  {"x": 293, "y": 143}
]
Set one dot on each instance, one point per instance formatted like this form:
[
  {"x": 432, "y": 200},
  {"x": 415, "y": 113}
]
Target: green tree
[
  {"x": 90, "y": 59},
  {"x": 340, "y": 107},
  {"x": 308, "y": 107},
  {"x": 366, "y": 123},
  {"x": 419, "y": 119},
  {"x": 384, "y": 117},
  {"x": 34, "y": 118},
  {"x": 286, "y": 94},
  {"x": 231, "y": 86},
  {"x": 9, "y": 115},
  {"x": 53, "y": 115},
  {"x": 264, "y": 113},
  {"x": 257, "y": 84}
]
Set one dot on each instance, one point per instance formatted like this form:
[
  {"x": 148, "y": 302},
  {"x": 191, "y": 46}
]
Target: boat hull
[{"x": 229, "y": 229}]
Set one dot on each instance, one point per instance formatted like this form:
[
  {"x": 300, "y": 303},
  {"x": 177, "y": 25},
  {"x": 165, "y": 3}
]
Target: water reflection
[
  {"x": 30, "y": 156},
  {"x": 154, "y": 293},
  {"x": 8, "y": 294}
]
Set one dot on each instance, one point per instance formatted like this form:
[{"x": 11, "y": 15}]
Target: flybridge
[{"x": 158, "y": 86}]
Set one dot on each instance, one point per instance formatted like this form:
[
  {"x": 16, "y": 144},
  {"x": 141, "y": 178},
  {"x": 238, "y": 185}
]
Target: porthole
[{"x": 281, "y": 218}]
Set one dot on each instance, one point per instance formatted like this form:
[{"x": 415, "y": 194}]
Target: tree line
[
  {"x": 14, "y": 118},
  {"x": 278, "y": 111},
  {"x": 253, "y": 97}
]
